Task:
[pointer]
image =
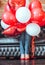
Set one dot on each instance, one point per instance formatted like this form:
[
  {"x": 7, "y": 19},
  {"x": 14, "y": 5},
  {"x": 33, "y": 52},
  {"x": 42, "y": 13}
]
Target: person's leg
[
  {"x": 28, "y": 40},
  {"x": 21, "y": 40}
]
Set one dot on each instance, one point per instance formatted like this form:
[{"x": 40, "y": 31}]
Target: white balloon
[
  {"x": 23, "y": 14},
  {"x": 33, "y": 29},
  {"x": 4, "y": 26}
]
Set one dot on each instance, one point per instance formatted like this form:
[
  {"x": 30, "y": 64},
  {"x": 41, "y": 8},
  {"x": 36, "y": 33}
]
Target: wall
[{"x": 2, "y": 5}]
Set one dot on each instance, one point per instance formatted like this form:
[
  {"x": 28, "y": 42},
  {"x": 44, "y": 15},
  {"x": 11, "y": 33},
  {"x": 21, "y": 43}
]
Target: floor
[{"x": 22, "y": 62}]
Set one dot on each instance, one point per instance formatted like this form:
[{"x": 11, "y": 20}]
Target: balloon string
[{"x": 33, "y": 46}]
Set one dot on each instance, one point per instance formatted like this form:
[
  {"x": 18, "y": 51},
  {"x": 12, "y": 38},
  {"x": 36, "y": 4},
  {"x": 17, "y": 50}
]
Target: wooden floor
[{"x": 22, "y": 62}]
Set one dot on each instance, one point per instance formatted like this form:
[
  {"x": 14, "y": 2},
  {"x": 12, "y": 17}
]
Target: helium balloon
[
  {"x": 9, "y": 18},
  {"x": 9, "y": 31},
  {"x": 17, "y": 3},
  {"x": 43, "y": 21},
  {"x": 21, "y": 27},
  {"x": 3, "y": 25},
  {"x": 9, "y": 9},
  {"x": 33, "y": 29},
  {"x": 40, "y": 23},
  {"x": 23, "y": 14},
  {"x": 35, "y": 4},
  {"x": 37, "y": 14}
]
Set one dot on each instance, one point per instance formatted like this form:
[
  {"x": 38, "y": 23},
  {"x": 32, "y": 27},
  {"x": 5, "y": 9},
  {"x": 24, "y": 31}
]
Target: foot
[
  {"x": 22, "y": 57},
  {"x": 27, "y": 57}
]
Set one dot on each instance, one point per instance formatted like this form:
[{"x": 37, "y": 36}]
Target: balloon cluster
[
  {"x": 38, "y": 15},
  {"x": 17, "y": 17}
]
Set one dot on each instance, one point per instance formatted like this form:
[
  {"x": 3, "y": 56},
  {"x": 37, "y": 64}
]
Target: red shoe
[{"x": 22, "y": 58}]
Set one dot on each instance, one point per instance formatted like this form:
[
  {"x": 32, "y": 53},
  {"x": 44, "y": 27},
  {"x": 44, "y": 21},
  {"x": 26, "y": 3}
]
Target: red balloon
[
  {"x": 35, "y": 4},
  {"x": 9, "y": 18},
  {"x": 28, "y": 22},
  {"x": 16, "y": 3},
  {"x": 9, "y": 31},
  {"x": 43, "y": 20},
  {"x": 9, "y": 9},
  {"x": 37, "y": 14},
  {"x": 21, "y": 27},
  {"x": 40, "y": 23}
]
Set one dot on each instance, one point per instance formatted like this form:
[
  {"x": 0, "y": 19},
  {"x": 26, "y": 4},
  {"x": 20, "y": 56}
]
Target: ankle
[{"x": 26, "y": 55}]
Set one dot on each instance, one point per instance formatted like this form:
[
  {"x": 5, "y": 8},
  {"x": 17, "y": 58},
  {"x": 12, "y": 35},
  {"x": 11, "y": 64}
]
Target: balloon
[
  {"x": 9, "y": 9},
  {"x": 40, "y": 23},
  {"x": 3, "y": 25},
  {"x": 23, "y": 14},
  {"x": 21, "y": 27},
  {"x": 35, "y": 4},
  {"x": 9, "y": 31},
  {"x": 17, "y": 3},
  {"x": 43, "y": 21},
  {"x": 9, "y": 18},
  {"x": 33, "y": 29},
  {"x": 37, "y": 14}
]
